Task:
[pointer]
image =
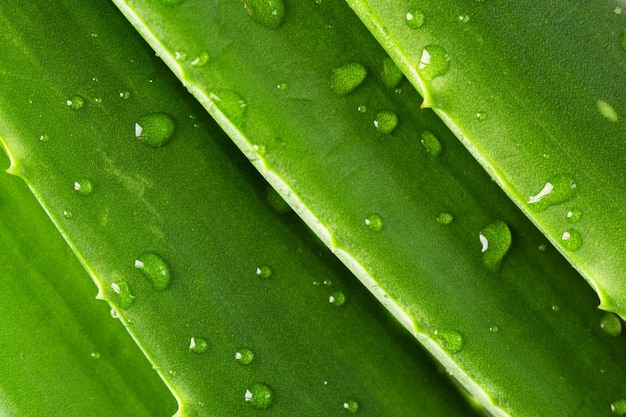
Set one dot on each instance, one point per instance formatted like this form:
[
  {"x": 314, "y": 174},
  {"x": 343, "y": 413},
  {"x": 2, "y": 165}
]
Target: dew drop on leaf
[
  {"x": 481, "y": 116},
  {"x": 496, "y": 241},
  {"x": 68, "y": 214},
  {"x": 198, "y": 345},
  {"x": 267, "y": 13},
  {"x": 431, "y": 143},
  {"x": 347, "y": 78},
  {"x": 76, "y": 102},
  {"x": 415, "y": 18},
  {"x": 201, "y": 60},
  {"x": 434, "y": 62},
  {"x": 259, "y": 396},
  {"x": 155, "y": 269},
  {"x": 337, "y": 298},
  {"x": 571, "y": 239},
  {"x": 44, "y": 138},
  {"x": 607, "y": 110},
  {"x": 244, "y": 356},
  {"x": 573, "y": 215},
  {"x": 351, "y": 406},
  {"x": 386, "y": 121},
  {"x": 391, "y": 74},
  {"x": 611, "y": 324},
  {"x": 124, "y": 297},
  {"x": 445, "y": 218},
  {"x": 619, "y": 407},
  {"x": 124, "y": 94},
  {"x": 557, "y": 190},
  {"x": 263, "y": 271},
  {"x": 155, "y": 129},
  {"x": 374, "y": 222},
  {"x": 83, "y": 186},
  {"x": 450, "y": 340}
]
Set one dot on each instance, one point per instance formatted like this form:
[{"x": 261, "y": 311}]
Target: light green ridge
[
  {"x": 375, "y": 196},
  {"x": 238, "y": 307},
  {"x": 61, "y": 353},
  {"x": 535, "y": 91}
]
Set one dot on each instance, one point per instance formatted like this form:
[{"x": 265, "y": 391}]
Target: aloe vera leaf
[
  {"x": 61, "y": 353},
  {"x": 534, "y": 91},
  {"x": 367, "y": 186},
  {"x": 237, "y": 298}
]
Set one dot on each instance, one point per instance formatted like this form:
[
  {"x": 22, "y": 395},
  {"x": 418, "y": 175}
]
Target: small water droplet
[
  {"x": 555, "y": 308},
  {"x": 361, "y": 109},
  {"x": 83, "y": 186},
  {"x": 180, "y": 56},
  {"x": 445, "y": 218},
  {"x": 374, "y": 222},
  {"x": 231, "y": 104},
  {"x": 198, "y": 345},
  {"x": 557, "y": 190},
  {"x": 571, "y": 239},
  {"x": 386, "y": 121},
  {"x": 391, "y": 74},
  {"x": 431, "y": 143},
  {"x": 124, "y": 94},
  {"x": 619, "y": 407},
  {"x": 464, "y": 18},
  {"x": 155, "y": 129},
  {"x": 259, "y": 396},
  {"x": 67, "y": 214},
  {"x": 347, "y": 78},
  {"x": 95, "y": 355},
  {"x": 267, "y": 13},
  {"x": 351, "y": 406},
  {"x": 114, "y": 313},
  {"x": 573, "y": 215},
  {"x": 327, "y": 282},
  {"x": 124, "y": 297},
  {"x": 434, "y": 62},
  {"x": 155, "y": 269},
  {"x": 481, "y": 116},
  {"x": 337, "y": 298},
  {"x": 244, "y": 356},
  {"x": 542, "y": 247},
  {"x": 263, "y": 271},
  {"x": 450, "y": 340},
  {"x": 415, "y": 18},
  {"x": 496, "y": 241},
  {"x": 76, "y": 102},
  {"x": 607, "y": 110},
  {"x": 611, "y": 324},
  {"x": 201, "y": 60},
  {"x": 44, "y": 138},
  {"x": 494, "y": 329},
  {"x": 281, "y": 86}
]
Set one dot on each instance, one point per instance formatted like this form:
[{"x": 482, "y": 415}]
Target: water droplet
[
  {"x": 494, "y": 329},
  {"x": 571, "y": 239},
  {"x": 496, "y": 241},
  {"x": 124, "y": 297},
  {"x": 83, "y": 186},
  {"x": 67, "y": 214},
  {"x": 607, "y": 110},
  {"x": 171, "y": 3},
  {"x": 44, "y": 138},
  {"x": 347, "y": 78},
  {"x": 231, "y": 104},
  {"x": 481, "y": 116},
  {"x": 201, "y": 60},
  {"x": 573, "y": 215},
  {"x": 281, "y": 86},
  {"x": 125, "y": 94},
  {"x": 386, "y": 121},
  {"x": 276, "y": 201},
  {"x": 557, "y": 190},
  {"x": 450, "y": 340},
  {"x": 114, "y": 313},
  {"x": 263, "y": 271},
  {"x": 415, "y": 18},
  {"x": 619, "y": 407},
  {"x": 445, "y": 218},
  {"x": 76, "y": 102},
  {"x": 244, "y": 356},
  {"x": 351, "y": 406},
  {"x": 542, "y": 247},
  {"x": 267, "y": 13},
  {"x": 431, "y": 143},
  {"x": 361, "y": 109},
  {"x": 259, "y": 396},
  {"x": 155, "y": 269},
  {"x": 611, "y": 324},
  {"x": 337, "y": 298},
  {"x": 391, "y": 74},
  {"x": 327, "y": 282},
  {"x": 464, "y": 18},
  {"x": 95, "y": 355},
  {"x": 155, "y": 129},
  {"x": 374, "y": 222},
  {"x": 622, "y": 40},
  {"x": 434, "y": 62},
  {"x": 198, "y": 345},
  {"x": 180, "y": 56},
  {"x": 555, "y": 308}
]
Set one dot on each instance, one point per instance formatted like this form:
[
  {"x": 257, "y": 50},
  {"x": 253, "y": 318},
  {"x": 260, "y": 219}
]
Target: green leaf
[
  {"x": 61, "y": 354},
  {"x": 418, "y": 222},
  {"x": 233, "y": 300},
  {"x": 535, "y": 91}
]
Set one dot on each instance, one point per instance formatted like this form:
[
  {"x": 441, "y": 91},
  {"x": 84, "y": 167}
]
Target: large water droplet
[
  {"x": 611, "y": 324},
  {"x": 155, "y": 269},
  {"x": 337, "y": 298},
  {"x": 391, "y": 74},
  {"x": 83, "y": 186},
  {"x": 263, "y": 271},
  {"x": 268, "y": 13},
  {"x": 155, "y": 129},
  {"x": 434, "y": 62},
  {"x": 496, "y": 241},
  {"x": 347, "y": 78},
  {"x": 573, "y": 215},
  {"x": 557, "y": 190},
  {"x": 231, "y": 104},
  {"x": 244, "y": 356},
  {"x": 259, "y": 396},
  {"x": 198, "y": 345},
  {"x": 374, "y": 222},
  {"x": 450, "y": 340},
  {"x": 571, "y": 239},
  {"x": 76, "y": 102},
  {"x": 124, "y": 297},
  {"x": 351, "y": 406},
  {"x": 431, "y": 143},
  {"x": 619, "y": 407},
  {"x": 386, "y": 121},
  {"x": 415, "y": 18}
]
